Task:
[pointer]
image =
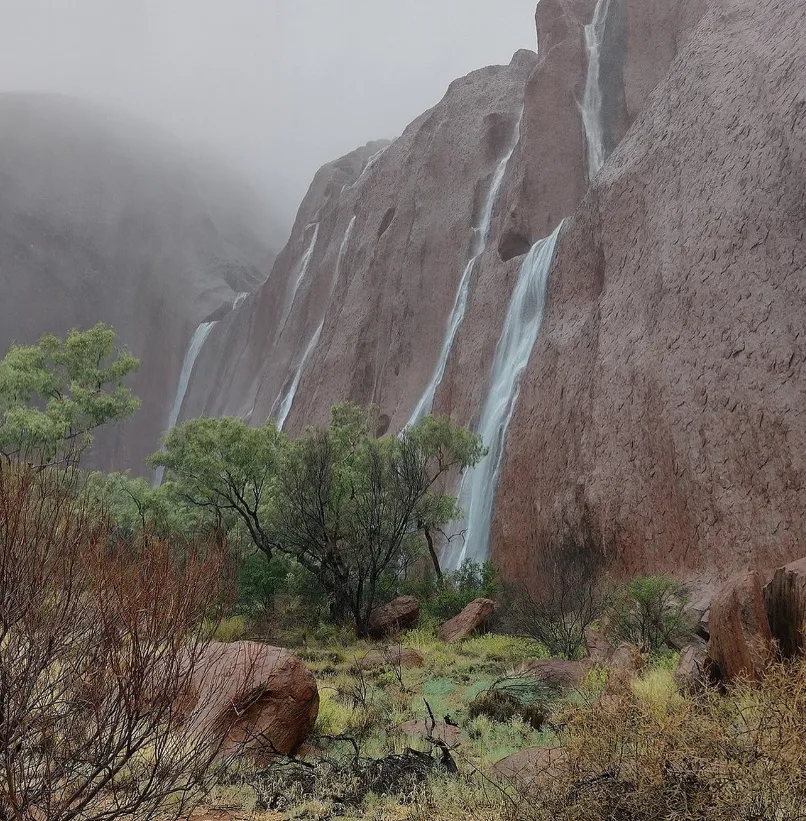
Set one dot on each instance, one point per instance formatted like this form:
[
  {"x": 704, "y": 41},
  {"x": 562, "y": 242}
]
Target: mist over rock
[{"x": 103, "y": 219}]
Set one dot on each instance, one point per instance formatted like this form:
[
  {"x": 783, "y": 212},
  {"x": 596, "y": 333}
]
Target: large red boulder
[
  {"x": 261, "y": 699},
  {"x": 400, "y": 614},
  {"x": 471, "y": 619},
  {"x": 785, "y": 602},
  {"x": 741, "y": 642}
]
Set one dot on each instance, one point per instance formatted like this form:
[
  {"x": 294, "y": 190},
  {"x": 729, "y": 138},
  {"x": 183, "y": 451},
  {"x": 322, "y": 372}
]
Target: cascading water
[
  {"x": 305, "y": 264},
  {"x": 194, "y": 349},
  {"x": 368, "y": 167},
  {"x": 480, "y": 236},
  {"x": 521, "y": 327},
  {"x": 591, "y": 107},
  {"x": 239, "y": 298},
  {"x": 285, "y": 400}
]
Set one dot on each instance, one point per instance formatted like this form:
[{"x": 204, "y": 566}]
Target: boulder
[
  {"x": 442, "y": 731},
  {"x": 390, "y": 657},
  {"x": 600, "y": 650},
  {"x": 260, "y": 698},
  {"x": 400, "y": 614},
  {"x": 694, "y": 670},
  {"x": 623, "y": 666},
  {"x": 531, "y": 768},
  {"x": 741, "y": 644},
  {"x": 785, "y": 604},
  {"x": 471, "y": 619},
  {"x": 558, "y": 673}
]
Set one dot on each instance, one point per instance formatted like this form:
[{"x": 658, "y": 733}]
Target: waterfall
[
  {"x": 285, "y": 400},
  {"x": 521, "y": 327},
  {"x": 194, "y": 349},
  {"x": 480, "y": 236},
  {"x": 239, "y": 298},
  {"x": 591, "y": 107},
  {"x": 305, "y": 263},
  {"x": 368, "y": 167}
]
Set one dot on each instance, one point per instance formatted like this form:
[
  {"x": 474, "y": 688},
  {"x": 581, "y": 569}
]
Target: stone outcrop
[
  {"x": 741, "y": 644},
  {"x": 262, "y": 699},
  {"x": 402, "y": 613},
  {"x": 469, "y": 621},
  {"x": 597, "y": 645},
  {"x": 103, "y": 220}
]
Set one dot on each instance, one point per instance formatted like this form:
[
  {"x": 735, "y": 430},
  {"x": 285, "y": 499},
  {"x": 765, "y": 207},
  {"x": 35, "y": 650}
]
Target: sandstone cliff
[
  {"x": 102, "y": 220},
  {"x": 661, "y": 396},
  {"x": 665, "y": 392}
]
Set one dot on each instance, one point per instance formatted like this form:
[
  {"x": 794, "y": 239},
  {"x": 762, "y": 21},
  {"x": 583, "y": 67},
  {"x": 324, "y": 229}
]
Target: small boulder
[
  {"x": 471, "y": 619},
  {"x": 560, "y": 674},
  {"x": 262, "y": 700},
  {"x": 785, "y": 603},
  {"x": 402, "y": 613},
  {"x": 741, "y": 644},
  {"x": 694, "y": 670},
  {"x": 624, "y": 665},
  {"x": 600, "y": 650},
  {"x": 390, "y": 657},
  {"x": 441, "y": 731},
  {"x": 530, "y": 769}
]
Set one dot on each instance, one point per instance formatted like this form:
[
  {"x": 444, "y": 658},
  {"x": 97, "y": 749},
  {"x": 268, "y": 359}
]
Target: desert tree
[
  {"x": 56, "y": 393},
  {"x": 348, "y": 506}
]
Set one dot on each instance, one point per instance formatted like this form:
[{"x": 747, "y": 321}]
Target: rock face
[
  {"x": 741, "y": 643},
  {"x": 662, "y": 400},
  {"x": 103, "y": 220},
  {"x": 263, "y": 699},
  {"x": 391, "y": 657},
  {"x": 400, "y": 614},
  {"x": 785, "y": 602},
  {"x": 469, "y": 621},
  {"x": 695, "y": 668},
  {"x": 664, "y": 394}
]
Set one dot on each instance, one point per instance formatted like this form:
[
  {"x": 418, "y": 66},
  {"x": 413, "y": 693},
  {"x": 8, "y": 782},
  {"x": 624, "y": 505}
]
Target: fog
[{"x": 277, "y": 86}]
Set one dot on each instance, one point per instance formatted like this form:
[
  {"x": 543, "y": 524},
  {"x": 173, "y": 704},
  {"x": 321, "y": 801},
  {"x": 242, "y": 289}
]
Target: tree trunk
[{"x": 430, "y": 539}]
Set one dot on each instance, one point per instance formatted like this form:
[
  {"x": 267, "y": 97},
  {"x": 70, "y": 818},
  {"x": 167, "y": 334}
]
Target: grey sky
[{"x": 281, "y": 86}]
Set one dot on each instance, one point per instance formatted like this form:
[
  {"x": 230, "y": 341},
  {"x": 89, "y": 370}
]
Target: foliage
[
  {"x": 348, "y": 507},
  {"x": 100, "y": 643},
  {"x": 226, "y": 468},
  {"x": 135, "y": 508},
  {"x": 570, "y": 596},
  {"x": 650, "y": 611},
  {"x": 54, "y": 394},
  {"x": 442, "y": 598}
]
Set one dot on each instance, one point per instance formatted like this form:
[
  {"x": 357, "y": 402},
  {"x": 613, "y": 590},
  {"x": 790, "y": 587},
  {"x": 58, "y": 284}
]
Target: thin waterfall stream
[
  {"x": 521, "y": 327},
  {"x": 479, "y": 245},
  {"x": 285, "y": 400},
  {"x": 591, "y": 107}
]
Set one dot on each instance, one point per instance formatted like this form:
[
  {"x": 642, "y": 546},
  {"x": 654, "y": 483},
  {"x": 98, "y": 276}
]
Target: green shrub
[
  {"x": 442, "y": 599},
  {"x": 650, "y": 611}
]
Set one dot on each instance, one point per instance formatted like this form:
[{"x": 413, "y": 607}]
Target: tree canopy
[
  {"x": 54, "y": 394},
  {"x": 351, "y": 508}
]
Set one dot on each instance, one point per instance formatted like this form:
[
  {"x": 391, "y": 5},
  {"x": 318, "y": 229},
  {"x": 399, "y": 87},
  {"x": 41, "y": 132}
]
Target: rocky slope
[
  {"x": 660, "y": 401},
  {"x": 102, "y": 220}
]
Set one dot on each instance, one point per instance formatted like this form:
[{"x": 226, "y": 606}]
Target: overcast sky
[{"x": 281, "y": 86}]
